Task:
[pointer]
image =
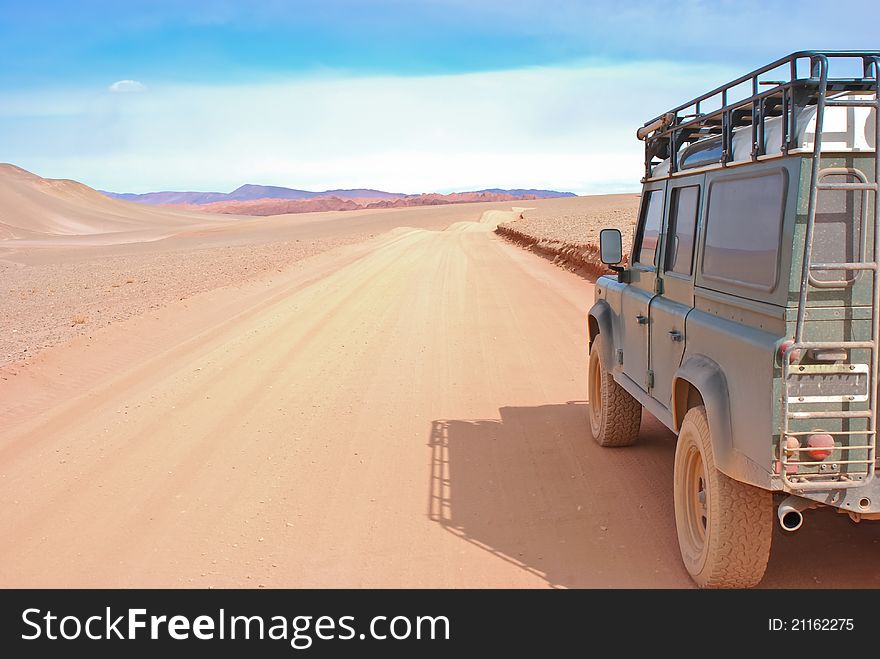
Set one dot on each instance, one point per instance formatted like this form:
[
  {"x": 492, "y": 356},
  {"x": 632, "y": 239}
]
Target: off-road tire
[
  {"x": 615, "y": 416},
  {"x": 737, "y": 519}
]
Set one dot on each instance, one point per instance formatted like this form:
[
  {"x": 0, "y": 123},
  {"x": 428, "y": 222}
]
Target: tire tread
[
  {"x": 622, "y": 413},
  {"x": 742, "y": 516}
]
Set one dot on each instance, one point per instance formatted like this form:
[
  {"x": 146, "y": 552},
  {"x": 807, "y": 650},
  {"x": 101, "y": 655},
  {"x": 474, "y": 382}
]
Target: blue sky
[{"x": 407, "y": 95}]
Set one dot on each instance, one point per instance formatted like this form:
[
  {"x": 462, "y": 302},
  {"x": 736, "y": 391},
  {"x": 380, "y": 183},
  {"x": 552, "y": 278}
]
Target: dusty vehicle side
[{"x": 746, "y": 319}]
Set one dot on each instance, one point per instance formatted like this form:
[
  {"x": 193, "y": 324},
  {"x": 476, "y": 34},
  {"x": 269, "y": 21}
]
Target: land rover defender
[{"x": 746, "y": 315}]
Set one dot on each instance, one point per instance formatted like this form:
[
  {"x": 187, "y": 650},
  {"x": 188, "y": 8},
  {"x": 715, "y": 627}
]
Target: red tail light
[{"x": 820, "y": 446}]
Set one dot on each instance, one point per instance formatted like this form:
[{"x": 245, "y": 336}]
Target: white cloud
[
  {"x": 568, "y": 128},
  {"x": 125, "y": 86}
]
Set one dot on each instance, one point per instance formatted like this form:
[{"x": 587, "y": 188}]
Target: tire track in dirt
[{"x": 408, "y": 412}]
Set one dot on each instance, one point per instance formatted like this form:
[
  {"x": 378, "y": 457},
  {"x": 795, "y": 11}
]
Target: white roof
[{"x": 846, "y": 129}]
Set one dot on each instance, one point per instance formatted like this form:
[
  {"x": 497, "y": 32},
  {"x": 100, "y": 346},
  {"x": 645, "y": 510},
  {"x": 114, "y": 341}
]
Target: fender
[
  {"x": 706, "y": 376},
  {"x": 600, "y": 322}
]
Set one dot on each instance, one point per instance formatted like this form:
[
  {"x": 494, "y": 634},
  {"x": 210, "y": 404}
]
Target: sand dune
[{"x": 36, "y": 208}]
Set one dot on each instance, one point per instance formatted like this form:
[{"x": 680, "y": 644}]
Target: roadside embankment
[{"x": 567, "y": 231}]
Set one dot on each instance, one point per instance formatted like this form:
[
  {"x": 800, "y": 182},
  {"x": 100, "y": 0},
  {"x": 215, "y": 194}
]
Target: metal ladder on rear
[{"x": 789, "y": 456}]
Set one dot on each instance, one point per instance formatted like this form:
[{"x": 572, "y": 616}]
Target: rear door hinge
[
  {"x": 658, "y": 286},
  {"x": 649, "y": 381}
]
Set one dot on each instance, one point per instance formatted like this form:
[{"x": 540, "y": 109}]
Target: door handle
[
  {"x": 675, "y": 335},
  {"x": 642, "y": 320}
]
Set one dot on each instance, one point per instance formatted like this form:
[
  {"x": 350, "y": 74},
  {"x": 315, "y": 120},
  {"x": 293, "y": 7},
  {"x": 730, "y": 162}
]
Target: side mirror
[{"x": 610, "y": 246}]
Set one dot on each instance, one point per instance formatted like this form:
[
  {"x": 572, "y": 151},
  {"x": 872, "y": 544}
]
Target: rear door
[
  {"x": 675, "y": 298},
  {"x": 636, "y": 298}
]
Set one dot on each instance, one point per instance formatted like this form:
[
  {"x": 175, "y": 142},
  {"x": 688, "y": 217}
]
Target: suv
[{"x": 746, "y": 319}]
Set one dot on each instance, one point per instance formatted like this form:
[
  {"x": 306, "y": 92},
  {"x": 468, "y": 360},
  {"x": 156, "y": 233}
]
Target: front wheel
[
  {"x": 724, "y": 526},
  {"x": 615, "y": 416}
]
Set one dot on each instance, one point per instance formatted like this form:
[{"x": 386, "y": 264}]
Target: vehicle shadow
[
  {"x": 829, "y": 551},
  {"x": 533, "y": 489}
]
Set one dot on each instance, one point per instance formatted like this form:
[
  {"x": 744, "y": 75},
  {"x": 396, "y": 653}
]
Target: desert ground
[{"x": 382, "y": 398}]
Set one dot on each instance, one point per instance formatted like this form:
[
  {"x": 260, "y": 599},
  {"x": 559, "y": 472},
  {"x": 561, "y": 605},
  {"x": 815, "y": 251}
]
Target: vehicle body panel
[{"x": 728, "y": 355}]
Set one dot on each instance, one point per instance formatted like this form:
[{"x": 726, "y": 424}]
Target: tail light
[
  {"x": 820, "y": 446},
  {"x": 791, "y": 456}
]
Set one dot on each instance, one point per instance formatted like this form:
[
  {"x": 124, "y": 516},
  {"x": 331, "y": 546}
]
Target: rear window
[
  {"x": 650, "y": 234},
  {"x": 837, "y": 234},
  {"x": 743, "y": 230}
]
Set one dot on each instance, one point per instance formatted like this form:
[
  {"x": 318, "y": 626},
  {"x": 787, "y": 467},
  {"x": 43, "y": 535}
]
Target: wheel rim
[
  {"x": 595, "y": 392},
  {"x": 696, "y": 500}
]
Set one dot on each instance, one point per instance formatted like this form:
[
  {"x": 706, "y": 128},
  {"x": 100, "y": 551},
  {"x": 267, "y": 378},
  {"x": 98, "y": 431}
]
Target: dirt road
[{"x": 405, "y": 412}]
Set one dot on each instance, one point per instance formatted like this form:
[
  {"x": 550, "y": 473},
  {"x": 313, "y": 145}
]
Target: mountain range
[
  {"x": 251, "y": 192},
  {"x": 37, "y": 208}
]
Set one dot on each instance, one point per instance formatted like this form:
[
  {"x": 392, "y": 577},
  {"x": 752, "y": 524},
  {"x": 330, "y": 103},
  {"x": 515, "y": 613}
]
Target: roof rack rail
[{"x": 743, "y": 102}]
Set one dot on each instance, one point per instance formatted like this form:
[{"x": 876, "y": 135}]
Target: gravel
[{"x": 46, "y": 304}]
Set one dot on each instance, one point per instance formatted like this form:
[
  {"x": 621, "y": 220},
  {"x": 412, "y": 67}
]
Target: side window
[
  {"x": 652, "y": 219},
  {"x": 682, "y": 229},
  {"x": 743, "y": 230}
]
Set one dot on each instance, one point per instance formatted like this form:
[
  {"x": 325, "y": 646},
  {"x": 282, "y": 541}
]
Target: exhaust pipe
[
  {"x": 790, "y": 518},
  {"x": 790, "y": 512}
]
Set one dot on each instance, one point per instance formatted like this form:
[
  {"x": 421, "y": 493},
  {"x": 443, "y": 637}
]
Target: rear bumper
[{"x": 863, "y": 499}]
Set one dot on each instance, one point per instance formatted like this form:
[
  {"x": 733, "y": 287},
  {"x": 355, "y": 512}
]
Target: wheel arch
[
  {"x": 700, "y": 381},
  {"x": 599, "y": 322}
]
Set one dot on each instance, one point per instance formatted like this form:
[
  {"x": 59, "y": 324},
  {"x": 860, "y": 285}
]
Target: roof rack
[{"x": 742, "y": 103}]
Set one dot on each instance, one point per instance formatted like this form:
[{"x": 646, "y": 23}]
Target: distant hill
[
  {"x": 37, "y": 208},
  {"x": 32, "y": 207},
  {"x": 274, "y": 206},
  {"x": 169, "y": 197},
  {"x": 252, "y": 192},
  {"x": 270, "y": 206},
  {"x": 537, "y": 194}
]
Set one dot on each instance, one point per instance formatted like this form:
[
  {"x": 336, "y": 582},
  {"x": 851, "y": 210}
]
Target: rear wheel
[
  {"x": 724, "y": 526},
  {"x": 615, "y": 416}
]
